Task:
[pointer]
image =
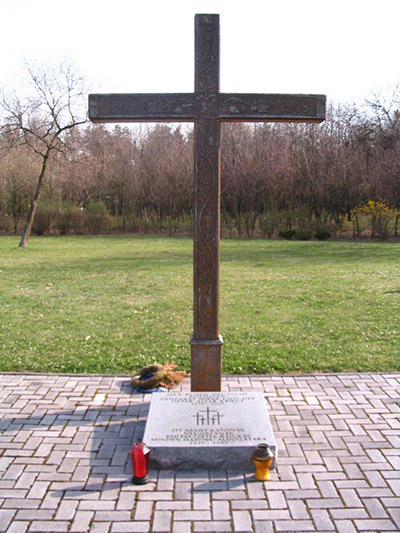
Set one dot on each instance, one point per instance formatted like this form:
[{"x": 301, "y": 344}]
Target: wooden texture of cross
[{"x": 207, "y": 108}]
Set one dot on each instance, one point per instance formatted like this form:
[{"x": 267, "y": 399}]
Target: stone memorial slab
[{"x": 207, "y": 429}]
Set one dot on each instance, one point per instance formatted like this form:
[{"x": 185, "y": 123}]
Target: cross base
[{"x": 206, "y": 365}]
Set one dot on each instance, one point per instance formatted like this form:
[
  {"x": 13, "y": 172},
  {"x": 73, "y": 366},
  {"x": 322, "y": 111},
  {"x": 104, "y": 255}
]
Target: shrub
[
  {"x": 69, "y": 219},
  {"x": 78, "y": 221},
  {"x": 287, "y": 234},
  {"x": 44, "y": 217},
  {"x": 268, "y": 222},
  {"x": 380, "y": 215},
  {"x": 6, "y": 223},
  {"x": 303, "y": 235},
  {"x": 133, "y": 223},
  {"x": 322, "y": 235},
  {"x": 97, "y": 220}
]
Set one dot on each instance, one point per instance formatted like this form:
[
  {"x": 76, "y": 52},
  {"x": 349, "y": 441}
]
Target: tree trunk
[{"x": 32, "y": 210}]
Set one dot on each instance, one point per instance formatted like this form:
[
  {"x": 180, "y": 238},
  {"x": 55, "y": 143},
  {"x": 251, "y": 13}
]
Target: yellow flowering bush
[{"x": 380, "y": 216}]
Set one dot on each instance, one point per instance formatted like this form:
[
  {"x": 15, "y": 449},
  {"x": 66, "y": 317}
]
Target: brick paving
[{"x": 64, "y": 466}]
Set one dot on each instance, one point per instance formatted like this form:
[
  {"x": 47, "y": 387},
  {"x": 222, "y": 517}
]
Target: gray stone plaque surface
[{"x": 207, "y": 429}]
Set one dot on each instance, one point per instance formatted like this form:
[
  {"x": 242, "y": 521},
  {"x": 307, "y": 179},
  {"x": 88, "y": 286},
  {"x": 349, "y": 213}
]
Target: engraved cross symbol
[
  {"x": 208, "y": 417},
  {"x": 207, "y": 108}
]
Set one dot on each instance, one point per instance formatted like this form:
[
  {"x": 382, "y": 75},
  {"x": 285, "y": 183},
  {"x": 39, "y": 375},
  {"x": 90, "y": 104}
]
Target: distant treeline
[{"x": 342, "y": 176}]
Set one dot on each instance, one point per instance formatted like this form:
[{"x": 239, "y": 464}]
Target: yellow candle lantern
[{"x": 262, "y": 458}]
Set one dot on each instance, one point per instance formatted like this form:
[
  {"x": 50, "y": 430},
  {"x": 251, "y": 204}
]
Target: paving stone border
[{"x": 64, "y": 442}]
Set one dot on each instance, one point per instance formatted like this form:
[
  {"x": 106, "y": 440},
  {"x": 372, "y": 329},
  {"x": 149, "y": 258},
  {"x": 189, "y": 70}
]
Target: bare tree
[
  {"x": 386, "y": 115},
  {"x": 41, "y": 120}
]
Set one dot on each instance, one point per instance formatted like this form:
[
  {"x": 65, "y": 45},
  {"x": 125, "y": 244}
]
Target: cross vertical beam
[{"x": 206, "y": 342}]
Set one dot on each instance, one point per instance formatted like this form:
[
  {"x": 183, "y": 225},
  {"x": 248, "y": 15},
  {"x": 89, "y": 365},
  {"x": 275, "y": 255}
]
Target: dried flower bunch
[{"x": 153, "y": 376}]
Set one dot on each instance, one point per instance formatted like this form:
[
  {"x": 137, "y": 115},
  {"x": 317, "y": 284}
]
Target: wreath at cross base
[{"x": 153, "y": 376}]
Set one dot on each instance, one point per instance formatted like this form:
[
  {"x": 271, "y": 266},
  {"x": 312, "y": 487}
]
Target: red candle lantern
[{"x": 140, "y": 456}]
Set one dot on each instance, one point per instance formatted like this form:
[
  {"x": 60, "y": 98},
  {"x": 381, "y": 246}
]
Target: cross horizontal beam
[{"x": 188, "y": 107}]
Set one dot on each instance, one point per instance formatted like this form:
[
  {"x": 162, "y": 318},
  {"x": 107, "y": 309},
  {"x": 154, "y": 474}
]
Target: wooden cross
[{"x": 207, "y": 108}]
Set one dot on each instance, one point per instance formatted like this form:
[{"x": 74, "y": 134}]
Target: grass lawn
[{"x": 112, "y": 304}]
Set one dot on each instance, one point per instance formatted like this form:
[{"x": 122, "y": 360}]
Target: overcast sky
[{"x": 342, "y": 48}]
